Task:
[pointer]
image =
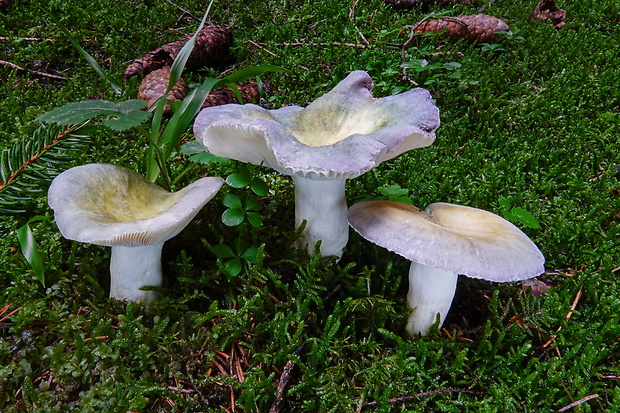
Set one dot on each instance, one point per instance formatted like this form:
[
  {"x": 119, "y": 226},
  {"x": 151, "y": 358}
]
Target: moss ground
[{"x": 533, "y": 118}]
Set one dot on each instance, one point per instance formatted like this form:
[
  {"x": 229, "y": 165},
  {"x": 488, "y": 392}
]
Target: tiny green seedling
[
  {"x": 195, "y": 152},
  {"x": 245, "y": 177},
  {"x": 232, "y": 258},
  {"x": 239, "y": 211},
  {"x": 449, "y": 70},
  {"x": 395, "y": 193},
  {"x": 517, "y": 215}
]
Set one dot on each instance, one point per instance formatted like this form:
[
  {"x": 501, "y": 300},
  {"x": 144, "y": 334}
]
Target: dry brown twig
[
  {"x": 34, "y": 72},
  {"x": 578, "y": 402},
  {"x": 352, "y": 18},
  {"x": 283, "y": 382},
  {"x": 423, "y": 394},
  {"x": 261, "y": 46},
  {"x": 403, "y": 49}
]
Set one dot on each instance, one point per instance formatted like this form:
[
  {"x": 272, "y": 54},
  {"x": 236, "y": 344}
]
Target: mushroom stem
[
  {"x": 322, "y": 204},
  {"x": 431, "y": 291},
  {"x": 134, "y": 267}
]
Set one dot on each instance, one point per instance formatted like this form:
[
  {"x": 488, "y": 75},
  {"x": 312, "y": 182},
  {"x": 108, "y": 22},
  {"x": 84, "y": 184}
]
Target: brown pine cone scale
[
  {"x": 155, "y": 84},
  {"x": 479, "y": 27},
  {"x": 212, "y": 44},
  {"x": 249, "y": 92}
]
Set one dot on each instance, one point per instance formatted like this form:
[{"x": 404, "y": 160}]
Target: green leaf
[
  {"x": 252, "y": 204},
  {"x": 403, "y": 199},
  {"x": 233, "y": 217},
  {"x": 239, "y": 179},
  {"x": 259, "y": 187},
  {"x": 234, "y": 267},
  {"x": 192, "y": 148},
  {"x": 232, "y": 201},
  {"x": 393, "y": 191},
  {"x": 181, "y": 60},
  {"x": 31, "y": 252},
  {"x": 124, "y": 121},
  {"x": 206, "y": 158},
  {"x": 76, "y": 112},
  {"x": 250, "y": 254},
  {"x": 223, "y": 251},
  {"x": 197, "y": 153},
  {"x": 525, "y": 217},
  {"x": 127, "y": 113},
  {"x": 255, "y": 219}
]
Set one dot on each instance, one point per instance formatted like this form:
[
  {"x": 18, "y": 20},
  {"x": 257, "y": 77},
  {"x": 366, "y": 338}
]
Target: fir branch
[{"x": 32, "y": 162}]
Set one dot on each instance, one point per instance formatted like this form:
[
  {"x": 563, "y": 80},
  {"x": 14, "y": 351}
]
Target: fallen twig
[
  {"x": 403, "y": 49},
  {"x": 283, "y": 382},
  {"x": 578, "y": 402},
  {"x": 183, "y": 10},
  {"x": 34, "y": 72},
  {"x": 27, "y": 39},
  {"x": 301, "y": 42},
  {"x": 261, "y": 46},
  {"x": 9, "y": 314},
  {"x": 423, "y": 394}
]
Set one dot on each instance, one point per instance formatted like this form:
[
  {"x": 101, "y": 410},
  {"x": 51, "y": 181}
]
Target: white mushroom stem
[
  {"x": 322, "y": 204},
  {"x": 431, "y": 291},
  {"x": 132, "y": 268}
]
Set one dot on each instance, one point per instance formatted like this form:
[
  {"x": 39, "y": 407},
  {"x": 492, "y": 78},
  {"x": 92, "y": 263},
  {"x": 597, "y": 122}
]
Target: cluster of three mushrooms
[{"x": 344, "y": 134}]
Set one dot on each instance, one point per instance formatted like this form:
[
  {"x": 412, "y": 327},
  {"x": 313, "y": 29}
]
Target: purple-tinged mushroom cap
[
  {"x": 339, "y": 136},
  {"x": 443, "y": 241},
  {"x": 114, "y": 206}
]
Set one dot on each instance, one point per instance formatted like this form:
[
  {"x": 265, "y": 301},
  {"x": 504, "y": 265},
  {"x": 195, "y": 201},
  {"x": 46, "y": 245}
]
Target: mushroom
[
  {"x": 441, "y": 242},
  {"x": 339, "y": 136},
  {"x": 114, "y": 206}
]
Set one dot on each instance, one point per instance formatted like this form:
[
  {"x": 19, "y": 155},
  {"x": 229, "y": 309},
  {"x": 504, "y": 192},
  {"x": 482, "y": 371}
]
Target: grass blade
[
  {"x": 31, "y": 252},
  {"x": 89, "y": 59}
]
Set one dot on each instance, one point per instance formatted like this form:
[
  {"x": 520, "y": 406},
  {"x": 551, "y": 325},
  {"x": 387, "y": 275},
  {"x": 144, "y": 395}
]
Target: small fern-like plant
[{"x": 30, "y": 164}]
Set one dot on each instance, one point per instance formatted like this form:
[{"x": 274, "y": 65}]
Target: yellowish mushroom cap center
[
  {"x": 122, "y": 198},
  {"x": 329, "y": 128}
]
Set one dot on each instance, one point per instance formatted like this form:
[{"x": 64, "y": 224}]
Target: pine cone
[
  {"x": 409, "y": 4},
  {"x": 249, "y": 92},
  {"x": 479, "y": 27},
  {"x": 155, "y": 84},
  {"x": 212, "y": 43},
  {"x": 5, "y": 4},
  {"x": 547, "y": 10}
]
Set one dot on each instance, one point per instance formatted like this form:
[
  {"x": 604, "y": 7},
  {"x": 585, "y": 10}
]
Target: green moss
[{"x": 534, "y": 121}]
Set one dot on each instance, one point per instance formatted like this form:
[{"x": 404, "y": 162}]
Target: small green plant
[
  {"x": 492, "y": 47},
  {"x": 517, "y": 214},
  {"x": 512, "y": 34},
  {"x": 395, "y": 193},
  {"x": 238, "y": 211},
  {"x": 231, "y": 258},
  {"x": 245, "y": 178},
  {"x": 448, "y": 71}
]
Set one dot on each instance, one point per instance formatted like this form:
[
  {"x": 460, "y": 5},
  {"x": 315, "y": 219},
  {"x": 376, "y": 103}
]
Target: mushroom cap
[
  {"x": 464, "y": 240},
  {"x": 342, "y": 134},
  {"x": 111, "y": 205}
]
